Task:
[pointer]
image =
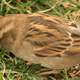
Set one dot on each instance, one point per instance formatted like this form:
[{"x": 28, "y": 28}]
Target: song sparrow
[{"x": 41, "y": 38}]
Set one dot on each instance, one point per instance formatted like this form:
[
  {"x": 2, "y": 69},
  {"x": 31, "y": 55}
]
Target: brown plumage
[{"x": 41, "y": 38}]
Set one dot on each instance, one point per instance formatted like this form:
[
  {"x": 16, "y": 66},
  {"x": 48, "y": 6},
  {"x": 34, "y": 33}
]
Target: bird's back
[{"x": 40, "y": 38}]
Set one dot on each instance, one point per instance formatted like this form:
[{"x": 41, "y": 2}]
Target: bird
[{"x": 41, "y": 38}]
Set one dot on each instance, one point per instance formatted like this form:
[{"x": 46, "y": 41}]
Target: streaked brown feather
[{"x": 41, "y": 38}]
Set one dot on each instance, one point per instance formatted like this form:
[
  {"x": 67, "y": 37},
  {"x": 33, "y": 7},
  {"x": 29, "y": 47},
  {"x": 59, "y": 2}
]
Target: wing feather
[{"x": 48, "y": 37}]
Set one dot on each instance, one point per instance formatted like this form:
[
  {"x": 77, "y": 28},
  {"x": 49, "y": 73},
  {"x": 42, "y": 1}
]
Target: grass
[{"x": 12, "y": 68}]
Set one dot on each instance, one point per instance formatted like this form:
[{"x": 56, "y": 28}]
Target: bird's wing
[{"x": 48, "y": 35}]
